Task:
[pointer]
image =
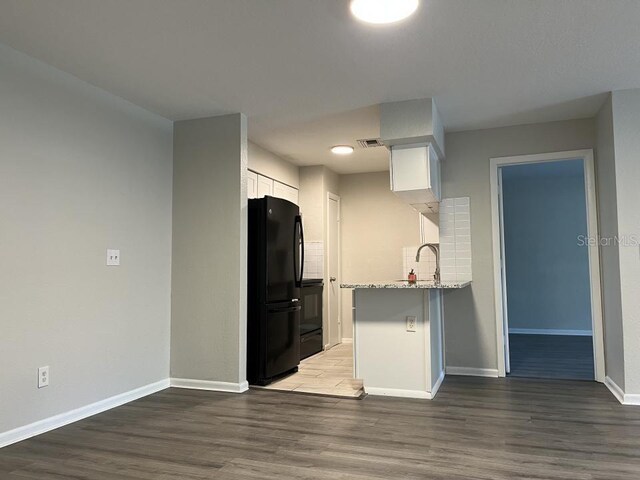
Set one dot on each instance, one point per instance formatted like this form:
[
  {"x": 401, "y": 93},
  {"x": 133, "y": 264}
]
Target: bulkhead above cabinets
[{"x": 415, "y": 176}]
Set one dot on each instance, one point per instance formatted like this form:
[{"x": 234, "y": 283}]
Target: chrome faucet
[{"x": 435, "y": 248}]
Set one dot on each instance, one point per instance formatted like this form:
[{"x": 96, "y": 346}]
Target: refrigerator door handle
[{"x": 298, "y": 246}]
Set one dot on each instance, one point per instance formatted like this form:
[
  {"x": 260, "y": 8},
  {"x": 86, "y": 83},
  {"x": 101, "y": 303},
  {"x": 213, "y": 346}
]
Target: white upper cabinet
[
  {"x": 415, "y": 176},
  {"x": 258, "y": 186},
  {"x": 265, "y": 186},
  {"x": 252, "y": 184},
  {"x": 281, "y": 190}
]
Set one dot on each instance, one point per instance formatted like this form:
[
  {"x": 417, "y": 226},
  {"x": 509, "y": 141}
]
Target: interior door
[
  {"x": 503, "y": 275},
  {"x": 333, "y": 252}
]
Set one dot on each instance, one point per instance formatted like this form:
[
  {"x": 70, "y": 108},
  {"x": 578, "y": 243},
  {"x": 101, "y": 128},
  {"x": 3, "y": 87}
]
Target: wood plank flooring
[
  {"x": 326, "y": 373},
  {"x": 476, "y": 428},
  {"x": 551, "y": 356}
]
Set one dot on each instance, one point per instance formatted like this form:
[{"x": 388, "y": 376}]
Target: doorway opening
[{"x": 547, "y": 271}]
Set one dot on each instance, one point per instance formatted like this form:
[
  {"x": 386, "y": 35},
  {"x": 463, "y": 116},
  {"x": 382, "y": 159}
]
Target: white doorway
[
  {"x": 499, "y": 257},
  {"x": 334, "y": 324}
]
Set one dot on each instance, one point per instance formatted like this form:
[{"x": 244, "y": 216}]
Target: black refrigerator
[{"x": 275, "y": 267}]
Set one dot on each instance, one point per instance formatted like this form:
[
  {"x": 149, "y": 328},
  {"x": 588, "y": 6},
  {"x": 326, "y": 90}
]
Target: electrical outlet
[
  {"x": 113, "y": 257},
  {"x": 411, "y": 323},
  {"x": 43, "y": 377}
]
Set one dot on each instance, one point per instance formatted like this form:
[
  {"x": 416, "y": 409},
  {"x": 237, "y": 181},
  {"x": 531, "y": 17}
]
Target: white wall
[
  {"x": 209, "y": 297},
  {"x": 80, "y": 171},
  {"x": 270, "y": 165},
  {"x": 470, "y": 325}
]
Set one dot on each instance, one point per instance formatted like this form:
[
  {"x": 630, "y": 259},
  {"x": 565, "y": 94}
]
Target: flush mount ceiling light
[
  {"x": 383, "y": 11},
  {"x": 342, "y": 150}
]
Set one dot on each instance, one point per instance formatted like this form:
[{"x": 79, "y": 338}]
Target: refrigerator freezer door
[{"x": 282, "y": 340}]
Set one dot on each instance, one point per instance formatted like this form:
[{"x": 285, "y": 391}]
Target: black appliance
[
  {"x": 275, "y": 264},
  {"x": 311, "y": 318}
]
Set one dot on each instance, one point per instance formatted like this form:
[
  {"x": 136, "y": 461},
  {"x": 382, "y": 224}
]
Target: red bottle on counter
[{"x": 412, "y": 276}]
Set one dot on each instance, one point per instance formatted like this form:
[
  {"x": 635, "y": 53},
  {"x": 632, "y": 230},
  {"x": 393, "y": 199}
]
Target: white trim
[
  {"x": 550, "y": 331},
  {"x": 614, "y": 388},
  {"x": 62, "y": 419},
  {"x": 594, "y": 254},
  {"x": 328, "y": 273},
  {"x": 210, "y": 385},
  {"x": 436, "y": 387},
  {"x": 623, "y": 398},
  {"x": 347, "y": 340},
  {"x": 472, "y": 372},
  {"x": 397, "y": 392}
]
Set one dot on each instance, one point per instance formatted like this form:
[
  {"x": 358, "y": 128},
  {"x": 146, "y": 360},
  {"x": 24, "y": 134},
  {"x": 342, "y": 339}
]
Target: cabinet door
[
  {"x": 252, "y": 184},
  {"x": 281, "y": 190},
  {"x": 265, "y": 186}
]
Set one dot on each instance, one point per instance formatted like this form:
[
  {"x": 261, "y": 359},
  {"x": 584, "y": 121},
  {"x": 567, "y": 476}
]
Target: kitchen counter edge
[{"x": 441, "y": 285}]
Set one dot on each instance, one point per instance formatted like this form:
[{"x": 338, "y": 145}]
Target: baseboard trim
[
  {"x": 623, "y": 398},
  {"x": 347, "y": 340},
  {"x": 615, "y": 389},
  {"x": 436, "y": 387},
  {"x": 396, "y": 392},
  {"x": 62, "y": 419},
  {"x": 472, "y": 372},
  {"x": 550, "y": 331},
  {"x": 210, "y": 385}
]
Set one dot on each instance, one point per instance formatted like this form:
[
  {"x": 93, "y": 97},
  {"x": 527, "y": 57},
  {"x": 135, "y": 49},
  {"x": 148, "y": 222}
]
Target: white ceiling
[{"x": 303, "y": 70}]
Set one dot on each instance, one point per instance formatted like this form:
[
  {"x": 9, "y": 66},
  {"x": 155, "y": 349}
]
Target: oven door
[{"x": 311, "y": 315}]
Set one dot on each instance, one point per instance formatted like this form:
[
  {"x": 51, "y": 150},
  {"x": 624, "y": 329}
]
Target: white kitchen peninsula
[{"x": 398, "y": 337}]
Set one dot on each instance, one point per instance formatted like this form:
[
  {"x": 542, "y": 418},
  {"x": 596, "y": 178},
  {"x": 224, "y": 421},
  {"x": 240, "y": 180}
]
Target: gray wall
[
  {"x": 208, "y": 326},
  {"x": 470, "y": 325},
  {"x": 609, "y": 254},
  {"x": 80, "y": 171},
  {"x": 626, "y": 123},
  {"x": 545, "y": 215}
]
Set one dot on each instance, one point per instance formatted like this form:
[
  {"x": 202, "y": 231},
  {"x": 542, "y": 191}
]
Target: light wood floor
[
  {"x": 476, "y": 428},
  {"x": 326, "y": 373}
]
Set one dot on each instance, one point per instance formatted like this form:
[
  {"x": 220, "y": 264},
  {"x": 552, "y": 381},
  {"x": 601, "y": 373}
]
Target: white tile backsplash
[
  {"x": 455, "y": 239},
  {"x": 424, "y": 269},
  {"x": 313, "y": 260}
]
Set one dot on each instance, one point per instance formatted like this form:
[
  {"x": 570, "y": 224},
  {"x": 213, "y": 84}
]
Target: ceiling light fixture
[
  {"x": 383, "y": 11},
  {"x": 342, "y": 150}
]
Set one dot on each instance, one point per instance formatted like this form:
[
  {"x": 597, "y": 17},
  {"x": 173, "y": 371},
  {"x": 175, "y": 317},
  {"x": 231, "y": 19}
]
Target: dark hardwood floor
[
  {"x": 476, "y": 428},
  {"x": 566, "y": 357}
]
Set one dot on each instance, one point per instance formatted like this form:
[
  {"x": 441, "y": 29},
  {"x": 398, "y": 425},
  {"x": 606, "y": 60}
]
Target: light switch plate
[{"x": 113, "y": 258}]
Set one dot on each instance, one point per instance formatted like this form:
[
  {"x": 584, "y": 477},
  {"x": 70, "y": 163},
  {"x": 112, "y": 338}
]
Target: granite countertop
[{"x": 406, "y": 284}]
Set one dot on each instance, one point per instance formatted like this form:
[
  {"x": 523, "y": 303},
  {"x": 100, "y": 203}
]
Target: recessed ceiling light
[
  {"x": 342, "y": 150},
  {"x": 383, "y": 11}
]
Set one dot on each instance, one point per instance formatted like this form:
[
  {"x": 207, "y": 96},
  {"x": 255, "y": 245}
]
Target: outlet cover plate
[
  {"x": 411, "y": 323},
  {"x": 43, "y": 377},
  {"x": 113, "y": 257}
]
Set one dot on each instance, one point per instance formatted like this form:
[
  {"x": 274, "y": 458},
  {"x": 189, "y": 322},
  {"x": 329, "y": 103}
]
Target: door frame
[
  {"x": 336, "y": 198},
  {"x": 594, "y": 254}
]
